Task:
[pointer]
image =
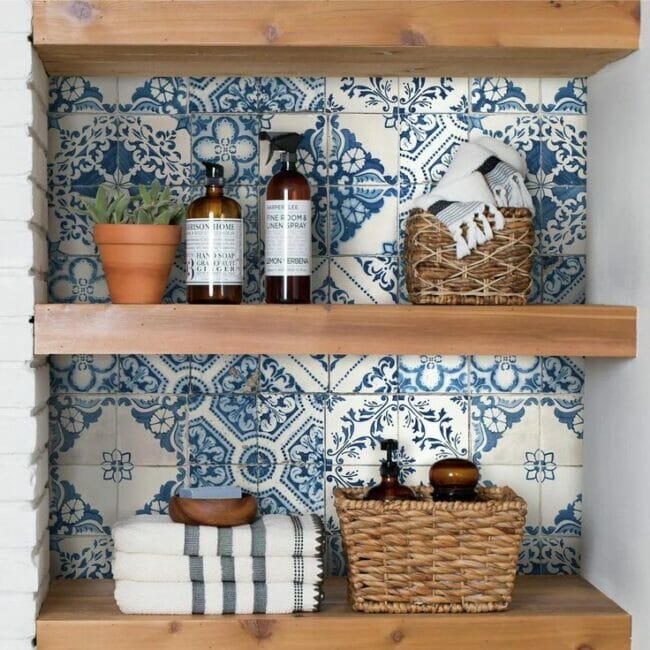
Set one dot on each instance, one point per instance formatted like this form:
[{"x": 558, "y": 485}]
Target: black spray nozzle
[
  {"x": 214, "y": 173},
  {"x": 281, "y": 141},
  {"x": 389, "y": 465}
]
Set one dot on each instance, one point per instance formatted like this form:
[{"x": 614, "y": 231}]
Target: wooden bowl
[{"x": 222, "y": 513}]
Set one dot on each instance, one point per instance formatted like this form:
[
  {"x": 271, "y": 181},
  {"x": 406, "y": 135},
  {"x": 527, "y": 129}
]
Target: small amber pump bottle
[
  {"x": 214, "y": 243},
  {"x": 390, "y": 489}
]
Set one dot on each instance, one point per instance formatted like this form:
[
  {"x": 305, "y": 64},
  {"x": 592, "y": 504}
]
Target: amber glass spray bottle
[{"x": 287, "y": 226}]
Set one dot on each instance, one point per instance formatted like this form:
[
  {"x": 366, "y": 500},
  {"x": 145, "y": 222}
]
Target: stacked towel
[{"x": 272, "y": 566}]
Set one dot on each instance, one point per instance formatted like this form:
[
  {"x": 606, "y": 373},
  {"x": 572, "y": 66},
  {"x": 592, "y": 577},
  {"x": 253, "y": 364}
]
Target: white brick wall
[{"x": 24, "y": 543}]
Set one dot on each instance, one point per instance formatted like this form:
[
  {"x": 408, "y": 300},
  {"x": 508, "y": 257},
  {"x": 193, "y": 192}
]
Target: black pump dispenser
[
  {"x": 390, "y": 489},
  {"x": 214, "y": 174},
  {"x": 388, "y": 465},
  {"x": 287, "y": 143}
]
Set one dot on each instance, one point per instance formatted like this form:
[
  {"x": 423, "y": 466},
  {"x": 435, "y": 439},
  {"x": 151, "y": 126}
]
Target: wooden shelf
[
  {"x": 579, "y": 330},
  {"x": 547, "y": 613},
  {"x": 334, "y": 37}
]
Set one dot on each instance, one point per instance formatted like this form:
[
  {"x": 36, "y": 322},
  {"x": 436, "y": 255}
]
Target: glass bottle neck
[
  {"x": 213, "y": 190},
  {"x": 288, "y": 165}
]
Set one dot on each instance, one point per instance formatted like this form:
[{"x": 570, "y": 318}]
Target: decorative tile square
[
  {"x": 563, "y": 374},
  {"x": 223, "y": 94},
  {"x": 363, "y": 220},
  {"x": 164, "y": 373},
  {"x": 529, "y": 556},
  {"x": 82, "y": 94},
  {"x": 562, "y": 95},
  {"x": 560, "y": 555},
  {"x": 540, "y": 465},
  {"x": 291, "y": 429},
  {"x": 505, "y": 374},
  {"x": 67, "y": 225},
  {"x": 564, "y": 149},
  {"x": 211, "y": 373},
  {"x": 76, "y": 279},
  {"x": 244, "y": 476},
  {"x": 81, "y": 429},
  {"x": 433, "y": 94},
  {"x": 320, "y": 280},
  {"x": 501, "y": 94},
  {"x": 345, "y": 476},
  {"x": 363, "y": 150},
  {"x": 504, "y": 429},
  {"x": 222, "y": 428},
  {"x": 355, "y": 425},
  {"x": 427, "y": 145},
  {"x": 149, "y": 492},
  {"x": 562, "y": 423},
  {"x": 166, "y": 95},
  {"x": 363, "y": 94},
  {"x": 363, "y": 280},
  {"x": 564, "y": 279},
  {"x": 81, "y": 557},
  {"x": 83, "y": 373},
  {"x": 289, "y": 373},
  {"x": 152, "y": 430},
  {"x": 154, "y": 147},
  {"x": 290, "y": 489},
  {"x": 432, "y": 427},
  {"x": 562, "y": 503},
  {"x": 432, "y": 373},
  {"x": 351, "y": 373},
  {"x": 83, "y": 150},
  {"x": 563, "y": 216},
  {"x": 232, "y": 141},
  {"x": 290, "y": 94}
]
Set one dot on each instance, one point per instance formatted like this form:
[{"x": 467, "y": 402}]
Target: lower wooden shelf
[{"x": 547, "y": 613}]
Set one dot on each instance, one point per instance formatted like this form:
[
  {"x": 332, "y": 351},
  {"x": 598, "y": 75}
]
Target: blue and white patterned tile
[
  {"x": 83, "y": 373},
  {"x": 226, "y": 373},
  {"x": 149, "y": 492},
  {"x": 562, "y": 95},
  {"x": 351, "y": 373},
  {"x": 507, "y": 95},
  {"x": 428, "y": 143},
  {"x": 83, "y": 150},
  {"x": 562, "y": 427},
  {"x": 311, "y": 151},
  {"x": 290, "y": 489},
  {"x": 320, "y": 280},
  {"x": 243, "y": 476},
  {"x": 564, "y": 279},
  {"x": 540, "y": 465},
  {"x": 363, "y": 280},
  {"x": 561, "y": 503},
  {"x": 154, "y": 147},
  {"x": 76, "y": 279},
  {"x": 166, "y": 95},
  {"x": 432, "y": 427},
  {"x": 81, "y": 502},
  {"x": 67, "y": 225},
  {"x": 162, "y": 373},
  {"x": 563, "y": 218},
  {"x": 223, "y": 94},
  {"x": 290, "y": 94},
  {"x": 529, "y": 556},
  {"x": 291, "y": 428},
  {"x": 355, "y": 425},
  {"x": 335, "y": 564},
  {"x": 290, "y": 373},
  {"x": 536, "y": 273},
  {"x": 346, "y": 476},
  {"x": 152, "y": 429},
  {"x": 560, "y": 555},
  {"x": 363, "y": 95},
  {"x": 230, "y": 140},
  {"x": 433, "y": 373},
  {"x": 363, "y": 220},
  {"x": 222, "y": 428},
  {"x": 82, "y": 94},
  {"x": 564, "y": 149},
  {"x": 81, "y": 429},
  {"x": 362, "y": 150},
  {"x": 505, "y": 374},
  {"x": 504, "y": 429},
  {"x": 433, "y": 94},
  {"x": 117, "y": 465},
  {"x": 81, "y": 558},
  {"x": 563, "y": 374}
]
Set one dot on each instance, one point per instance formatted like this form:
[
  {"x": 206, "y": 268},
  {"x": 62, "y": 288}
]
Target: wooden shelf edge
[{"x": 544, "y": 330}]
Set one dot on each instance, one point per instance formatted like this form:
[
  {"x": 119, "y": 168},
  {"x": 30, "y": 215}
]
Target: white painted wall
[{"x": 616, "y": 527}]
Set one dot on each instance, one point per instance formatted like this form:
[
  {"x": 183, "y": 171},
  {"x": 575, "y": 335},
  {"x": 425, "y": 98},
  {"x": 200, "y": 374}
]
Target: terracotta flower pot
[{"x": 137, "y": 260}]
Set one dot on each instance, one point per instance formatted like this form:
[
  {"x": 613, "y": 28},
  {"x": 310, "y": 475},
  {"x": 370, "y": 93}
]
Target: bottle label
[
  {"x": 287, "y": 246},
  {"x": 214, "y": 251}
]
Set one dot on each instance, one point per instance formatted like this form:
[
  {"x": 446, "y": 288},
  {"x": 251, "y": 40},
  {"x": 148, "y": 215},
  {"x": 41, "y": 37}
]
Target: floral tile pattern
[{"x": 127, "y": 431}]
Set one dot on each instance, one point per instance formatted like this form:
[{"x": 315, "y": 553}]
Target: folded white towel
[
  {"x": 269, "y": 536},
  {"x": 183, "y": 568},
  {"x": 216, "y": 598}
]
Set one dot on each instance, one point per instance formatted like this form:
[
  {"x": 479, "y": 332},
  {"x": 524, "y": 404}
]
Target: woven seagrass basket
[
  {"x": 495, "y": 273},
  {"x": 431, "y": 556}
]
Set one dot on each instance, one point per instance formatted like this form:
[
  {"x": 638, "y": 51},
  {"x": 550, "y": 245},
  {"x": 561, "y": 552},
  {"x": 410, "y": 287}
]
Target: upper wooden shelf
[
  {"x": 334, "y": 37},
  {"x": 547, "y": 613},
  {"x": 580, "y": 330}
]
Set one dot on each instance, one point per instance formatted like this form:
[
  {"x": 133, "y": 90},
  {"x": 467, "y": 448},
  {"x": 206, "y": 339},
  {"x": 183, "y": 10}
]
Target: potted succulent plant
[{"x": 137, "y": 239}]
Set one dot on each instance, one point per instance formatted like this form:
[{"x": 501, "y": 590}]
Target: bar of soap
[{"x": 212, "y": 492}]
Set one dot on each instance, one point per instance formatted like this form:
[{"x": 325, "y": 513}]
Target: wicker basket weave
[
  {"x": 425, "y": 556},
  {"x": 495, "y": 273}
]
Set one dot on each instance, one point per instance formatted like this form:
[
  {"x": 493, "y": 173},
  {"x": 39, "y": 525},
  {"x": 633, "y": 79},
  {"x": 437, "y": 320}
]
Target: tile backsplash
[{"x": 125, "y": 431}]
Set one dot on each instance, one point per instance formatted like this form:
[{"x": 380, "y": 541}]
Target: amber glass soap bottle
[
  {"x": 214, "y": 243},
  {"x": 390, "y": 489}
]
